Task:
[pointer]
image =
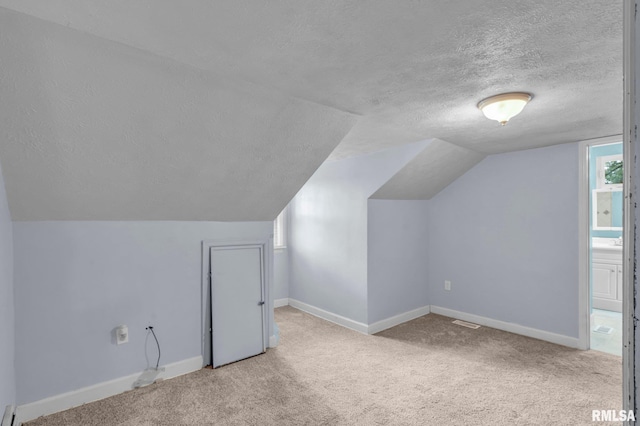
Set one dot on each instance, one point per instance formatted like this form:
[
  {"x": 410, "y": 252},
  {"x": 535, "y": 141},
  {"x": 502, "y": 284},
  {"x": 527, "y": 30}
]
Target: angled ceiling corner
[
  {"x": 429, "y": 172},
  {"x": 97, "y": 130}
]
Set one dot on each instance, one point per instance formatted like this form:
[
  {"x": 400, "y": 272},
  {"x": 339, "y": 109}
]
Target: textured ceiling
[
  {"x": 411, "y": 71},
  {"x": 93, "y": 130},
  {"x": 435, "y": 167}
]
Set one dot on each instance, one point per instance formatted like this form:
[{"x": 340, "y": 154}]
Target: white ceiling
[
  {"x": 437, "y": 165},
  {"x": 212, "y": 110}
]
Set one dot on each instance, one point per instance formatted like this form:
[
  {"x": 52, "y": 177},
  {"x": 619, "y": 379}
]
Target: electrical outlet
[
  {"x": 122, "y": 334},
  {"x": 447, "y": 285}
]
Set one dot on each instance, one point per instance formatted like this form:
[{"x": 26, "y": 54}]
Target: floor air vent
[
  {"x": 603, "y": 329},
  {"x": 466, "y": 324}
]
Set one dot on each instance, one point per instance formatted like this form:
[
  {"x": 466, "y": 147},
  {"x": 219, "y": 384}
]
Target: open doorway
[
  {"x": 601, "y": 240},
  {"x": 606, "y": 202}
]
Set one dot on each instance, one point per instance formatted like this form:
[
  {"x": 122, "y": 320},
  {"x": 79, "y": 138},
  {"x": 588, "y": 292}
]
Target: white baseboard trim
[
  {"x": 329, "y": 316},
  {"x": 607, "y": 305},
  {"x": 548, "y": 336},
  {"x": 273, "y": 341},
  {"x": 384, "y": 324},
  {"x": 7, "y": 418},
  {"x": 277, "y": 303},
  {"x": 67, "y": 400},
  {"x": 358, "y": 326}
]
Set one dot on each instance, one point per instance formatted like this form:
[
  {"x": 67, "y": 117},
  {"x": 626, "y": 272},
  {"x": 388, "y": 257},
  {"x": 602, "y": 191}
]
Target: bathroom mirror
[{"x": 607, "y": 209}]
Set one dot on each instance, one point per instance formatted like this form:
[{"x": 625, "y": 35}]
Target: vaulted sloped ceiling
[
  {"x": 95, "y": 130},
  {"x": 221, "y": 110},
  {"x": 435, "y": 167}
]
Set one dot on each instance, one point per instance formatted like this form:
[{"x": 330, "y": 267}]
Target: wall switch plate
[{"x": 447, "y": 285}]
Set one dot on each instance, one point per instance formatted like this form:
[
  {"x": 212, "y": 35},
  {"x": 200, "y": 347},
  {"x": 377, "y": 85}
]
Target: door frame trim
[
  {"x": 266, "y": 270},
  {"x": 584, "y": 253},
  {"x": 629, "y": 122}
]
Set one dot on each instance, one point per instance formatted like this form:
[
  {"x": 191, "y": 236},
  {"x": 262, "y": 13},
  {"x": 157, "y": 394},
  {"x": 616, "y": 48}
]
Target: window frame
[{"x": 280, "y": 231}]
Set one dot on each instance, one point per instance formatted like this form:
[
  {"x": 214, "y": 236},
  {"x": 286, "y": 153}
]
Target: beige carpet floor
[{"x": 424, "y": 372}]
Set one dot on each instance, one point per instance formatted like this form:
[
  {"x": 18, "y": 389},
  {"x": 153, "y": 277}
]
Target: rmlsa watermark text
[{"x": 612, "y": 415}]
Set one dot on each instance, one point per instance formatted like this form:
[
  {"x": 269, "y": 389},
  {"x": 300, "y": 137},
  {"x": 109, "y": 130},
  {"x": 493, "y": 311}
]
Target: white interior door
[{"x": 237, "y": 303}]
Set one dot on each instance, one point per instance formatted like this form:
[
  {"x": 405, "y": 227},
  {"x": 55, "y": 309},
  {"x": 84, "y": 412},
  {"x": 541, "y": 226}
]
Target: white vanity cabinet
[{"x": 606, "y": 278}]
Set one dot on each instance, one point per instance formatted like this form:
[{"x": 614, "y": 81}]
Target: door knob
[{"x": 260, "y": 303}]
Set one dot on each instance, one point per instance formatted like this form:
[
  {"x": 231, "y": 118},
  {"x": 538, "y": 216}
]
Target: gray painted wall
[
  {"x": 280, "y": 274},
  {"x": 328, "y": 224},
  {"x": 7, "y": 336},
  {"x": 397, "y": 247},
  {"x": 76, "y": 281},
  {"x": 506, "y": 235}
]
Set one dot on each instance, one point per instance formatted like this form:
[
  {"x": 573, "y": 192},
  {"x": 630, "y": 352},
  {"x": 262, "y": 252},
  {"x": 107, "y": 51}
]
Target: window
[
  {"x": 279, "y": 231},
  {"x": 613, "y": 172},
  {"x": 606, "y": 198},
  {"x": 609, "y": 171}
]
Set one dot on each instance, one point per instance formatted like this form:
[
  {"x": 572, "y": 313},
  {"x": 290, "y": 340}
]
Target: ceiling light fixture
[{"x": 505, "y": 106}]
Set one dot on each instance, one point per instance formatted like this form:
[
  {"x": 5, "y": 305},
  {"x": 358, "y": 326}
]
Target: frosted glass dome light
[{"x": 504, "y": 107}]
